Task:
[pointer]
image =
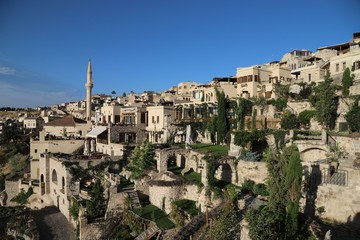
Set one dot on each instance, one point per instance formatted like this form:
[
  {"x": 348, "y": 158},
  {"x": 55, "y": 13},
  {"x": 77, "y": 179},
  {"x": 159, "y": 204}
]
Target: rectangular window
[
  {"x": 35, "y": 150},
  {"x": 157, "y": 119},
  {"x": 337, "y": 67},
  {"x": 143, "y": 117},
  {"x": 309, "y": 76},
  {"x": 153, "y": 119},
  {"x": 344, "y": 65}
]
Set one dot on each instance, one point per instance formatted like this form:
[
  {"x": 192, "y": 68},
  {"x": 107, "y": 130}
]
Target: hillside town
[{"x": 271, "y": 152}]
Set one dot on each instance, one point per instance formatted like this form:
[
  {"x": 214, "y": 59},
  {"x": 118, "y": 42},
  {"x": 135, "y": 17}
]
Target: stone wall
[
  {"x": 138, "y": 130},
  {"x": 341, "y": 203},
  {"x": 12, "y": 189},
  {"x": 349, "y": 145},
  {"x": 299, "y": 106},
  {"x": 161, "y": 195},
  {"x": 256, "y": 171}
]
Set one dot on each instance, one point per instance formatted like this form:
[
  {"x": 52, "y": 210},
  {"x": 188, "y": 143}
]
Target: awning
[{"x": 96, "y": 131}]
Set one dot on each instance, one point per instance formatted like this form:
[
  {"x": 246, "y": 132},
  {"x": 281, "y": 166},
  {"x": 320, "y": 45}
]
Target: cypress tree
[
  {"x": 293, "y": 186},
  {"x": 347, "y": 81}
]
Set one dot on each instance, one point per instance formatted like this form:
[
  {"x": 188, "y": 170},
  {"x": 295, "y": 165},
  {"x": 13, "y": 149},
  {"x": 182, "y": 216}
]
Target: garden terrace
[
  {"x": 212, "y": 149},
  {"x": 187, "y": 206},
  {"x": 190, "y": 176},
  {"x": 155, "y": 214}
]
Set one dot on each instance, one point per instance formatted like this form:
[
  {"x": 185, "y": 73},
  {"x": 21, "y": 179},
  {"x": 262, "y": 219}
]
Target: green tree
[
  {"x": 222, "y": 119},
  {"x": 289, "y": 121},
  {"x": 141, "y": 158},
  {"x": 284, "y": 182},
  {"x": 305, "y": 116},
  {"x": 74, "y": 209},
  {"x": 96, "y": 206},
  {"x": 324, "y": 101},
  {"x": 263, "y": 223},
  {"x": 293, "y": 186},
  {"x": 124, "y": 94},
  {"x": 353, "y": 117},
  {"x": 242, "y": 108},
  {"x": 211, "y": 126},
  {"x": 347, "y": 82},
  {"x": 10, "y": 133}
]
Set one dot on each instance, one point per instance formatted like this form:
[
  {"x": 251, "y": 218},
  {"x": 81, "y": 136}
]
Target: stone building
[{"x": 68, "y": 126}]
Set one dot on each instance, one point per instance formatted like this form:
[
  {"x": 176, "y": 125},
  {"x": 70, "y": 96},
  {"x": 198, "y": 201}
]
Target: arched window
[
  {"x": 54, "y": 176},
  {"x": 62, "y": 183}
]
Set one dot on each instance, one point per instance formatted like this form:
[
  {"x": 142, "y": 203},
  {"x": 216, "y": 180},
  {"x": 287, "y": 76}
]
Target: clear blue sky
[{"x": 138, "y": 45}]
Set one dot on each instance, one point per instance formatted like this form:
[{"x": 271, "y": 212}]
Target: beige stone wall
[
  {"x": 312, "y": 155},
  {"x": 59, "y": 130},
  {"x": 113, "y": 149},
  {"x": 256, "y": 171},
  {"x": 54, "y": 146},
  {"x": 341, "y": 203},
  {"x": 12, "y": 189},
  {"x": 299, "y": 106},
  {"x": 349, "y": 145},
  {"x": 167, "y": 194}
]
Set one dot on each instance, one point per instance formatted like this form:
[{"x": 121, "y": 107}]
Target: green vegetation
[
  {"x": 305, "y": 116},
  {"x": 22, "y": 197},
  {"x": 289, "y": 121},
  {"x": 222, "y": 121},
  {"x": 11, "y": 211},
  {"x": 353, "y": 117},
  {"x": 17, "y": 163},
  {"x": 250, "y": 187},
  {"x": 244, "y": 138},
  {"x": 177, "y": 215},
  {"x": 225, "y": 225},
  {"x": 74, "y": 209},
  {"x": 187, "y": 206},
  {"x": 125, "y": 183},
  {"x": 133, "y": 221},
  {"x": 155, "y": 214},
  {"x": 189, "y": 176},
  {"x": 141, "y": 158},
  {"x": 96, "y": 206},
  {"x": 221, "y": 150},
  {"x": 241, "y": 108},
  {"x": 347, "y": 82},
  {"x": 325, "y": 102},
  {"x": 279, "y": 219},
  {"x": 122, "y": 232},
  {"x": 279, "y": 136}
]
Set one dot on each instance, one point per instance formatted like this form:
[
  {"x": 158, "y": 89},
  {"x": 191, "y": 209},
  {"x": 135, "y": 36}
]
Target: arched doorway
[{"x": 54, "y": 177}]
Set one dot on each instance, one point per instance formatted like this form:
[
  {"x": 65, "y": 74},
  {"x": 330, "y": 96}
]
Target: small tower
[{"x": 89, "y": 85}]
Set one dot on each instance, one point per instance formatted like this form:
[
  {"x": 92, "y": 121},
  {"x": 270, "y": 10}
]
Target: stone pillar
[
  {"x": 161, "y": 161},
  {"x": 204, "y": 179},
  {"x": 324, "y": 136}
]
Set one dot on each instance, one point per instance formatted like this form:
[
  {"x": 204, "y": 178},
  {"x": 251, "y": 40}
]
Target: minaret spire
[{"x": 89, "y": 85}]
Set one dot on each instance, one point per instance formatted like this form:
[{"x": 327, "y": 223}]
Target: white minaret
[{"x": 89, "y": 85}]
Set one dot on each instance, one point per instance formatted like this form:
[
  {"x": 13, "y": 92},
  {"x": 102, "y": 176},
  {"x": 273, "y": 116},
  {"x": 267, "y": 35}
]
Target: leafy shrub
[
  {"x": 289, "y": 121},
  {"x": 305, "y": 116}
]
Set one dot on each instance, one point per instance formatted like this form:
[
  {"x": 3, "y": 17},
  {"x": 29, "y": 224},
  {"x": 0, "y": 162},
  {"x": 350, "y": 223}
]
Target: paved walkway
[{"x": 52, "y": 225}]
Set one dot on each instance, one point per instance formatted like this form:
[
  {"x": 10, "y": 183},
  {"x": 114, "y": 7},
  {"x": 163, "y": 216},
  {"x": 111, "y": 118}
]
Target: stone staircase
[
  {"x": 135, "y": 202},
  {"x": 148, "y": 233},
  {"x": 195, "y": 224}
]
